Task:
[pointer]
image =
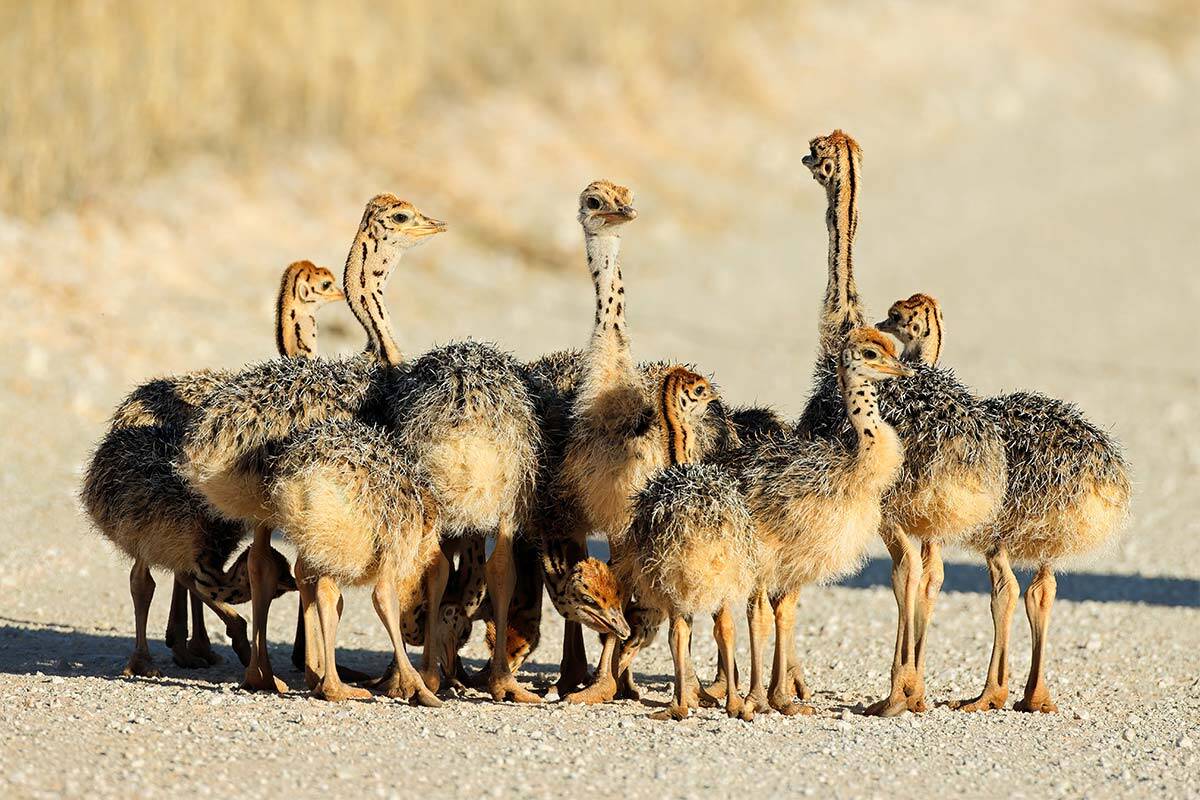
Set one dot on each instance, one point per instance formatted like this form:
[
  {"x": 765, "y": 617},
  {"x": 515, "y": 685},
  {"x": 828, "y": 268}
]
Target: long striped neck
[
  {"x": 368, "y": 270},
  {"x": 295, "y": 318},
  {"x": 608, "y": 352},
  {"x": 680, "y": 441},
  {"x": 843, "y": 311}
]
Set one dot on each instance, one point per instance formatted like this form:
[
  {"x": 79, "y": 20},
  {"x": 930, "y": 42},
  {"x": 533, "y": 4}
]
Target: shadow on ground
[
  {"x": 1100, "y": 587},
  {"x": 28, "y": 647}
]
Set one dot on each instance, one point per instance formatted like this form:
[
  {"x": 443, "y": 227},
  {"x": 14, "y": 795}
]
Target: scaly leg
[
  {"x": 177, "y": 629},
  {"x": 795, "y": 670},
  {"x": 680, "y": 635},
  {"x": 604, "y": 686},
  {"x": 501, "y": 580},
  {"x": 330, "y": 687},
  {"x": 306, "y": 586},
  {"x": 263, "y": 581},
  {"x": 177, "y": 626},
  {"x": 141, "y": 589},
  {"x": 1004, "y": 602},
  {"x": 782, "y": 686},
  {"x": 300, "y": 645},
  {"x": 643, "y": 626},
  {"x": 573, "y": 671},
  {"x": 758, "y": 614},
  {"x": 435, "y": 586},
  {"x": 199, "y": 645},
  {"x": 405, "y": 682},
  {"x": 720, "y": 686},
  {"x": 906, "y": 580},
  {"x": 932, "y": 575},
  {"x": 694, "y": 693},
  {"x": 726, "y": 636},
  {"x": 1039, "y": 598}
]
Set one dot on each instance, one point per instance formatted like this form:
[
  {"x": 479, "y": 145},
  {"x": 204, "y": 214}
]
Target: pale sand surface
[{"x": 1056, "y": 221}]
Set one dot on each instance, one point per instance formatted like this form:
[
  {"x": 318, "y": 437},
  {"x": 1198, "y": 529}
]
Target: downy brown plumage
[
  {"x": 690, "y": 547},
  {"x": 614, "y": 441},
  {"x": 815, "y": 504},
  {"x": 137, "y": 501},
  {"x": 1068, "y": 494},
  {"x": 953, "y": 477},
  {"x": 226, "y": 447}
]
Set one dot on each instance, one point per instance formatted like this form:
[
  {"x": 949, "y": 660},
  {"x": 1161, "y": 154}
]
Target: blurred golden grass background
[{"x": 104, "y": 91}]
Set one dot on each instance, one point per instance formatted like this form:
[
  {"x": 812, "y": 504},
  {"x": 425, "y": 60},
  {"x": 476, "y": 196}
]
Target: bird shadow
[
  {"x": 1099, "y": 587},
  {"x": 29, "y": 647}
]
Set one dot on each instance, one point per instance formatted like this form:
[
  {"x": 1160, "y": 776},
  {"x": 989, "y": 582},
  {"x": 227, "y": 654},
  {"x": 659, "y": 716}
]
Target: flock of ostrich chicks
[{"x": 393, "y": 472}]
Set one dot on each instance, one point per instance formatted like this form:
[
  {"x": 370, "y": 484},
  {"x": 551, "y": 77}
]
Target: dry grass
[{"x": 104, "y": 91}]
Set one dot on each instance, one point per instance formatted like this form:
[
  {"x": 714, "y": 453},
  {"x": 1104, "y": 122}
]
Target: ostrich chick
[
  {"x": 359, "y": 512},
  {"x": 690, "y": 547},
  {"x": 1068, "y": 494},
  {"x": 139, "y": 503},
  {"x": 815, "y": 505}
]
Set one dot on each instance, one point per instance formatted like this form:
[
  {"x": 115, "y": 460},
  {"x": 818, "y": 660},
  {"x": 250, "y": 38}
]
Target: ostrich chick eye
[
  {"x": 870, "y": 354},
  {"x": 326, "y": 284},
  {"x": 400, "y": 218},
  {"x": 593, "y": 203}
]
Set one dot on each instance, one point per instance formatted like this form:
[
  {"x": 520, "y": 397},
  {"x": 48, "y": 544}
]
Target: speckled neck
[
  {"x": 609, "y": 348},
  {"x": 862, "y": 408},
  {"x": 368, "y": 270}
]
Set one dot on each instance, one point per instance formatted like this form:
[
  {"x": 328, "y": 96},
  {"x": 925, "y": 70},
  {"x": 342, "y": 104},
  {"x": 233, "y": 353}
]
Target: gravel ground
[
  {"x": 1056, "y": 223},
  {"x": 1128, "y": 695}
]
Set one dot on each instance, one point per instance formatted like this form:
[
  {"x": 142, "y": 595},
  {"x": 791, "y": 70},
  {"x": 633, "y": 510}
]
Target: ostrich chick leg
[
  {"x": 906, "y": 579},
  {"x": 932, "y": 574},
  {"x": 330, "y": 686},
  {"x": 726, "y": 636},
  {"x": 198, "y": 646},
  {"x": 782, "y": 685},
  {"x": 501, "y": 581},
  {"x": 263, "y": 579},
  {"x": 1039, "y": 598},
  {"x": 758, "y": 614},
  {"x": 141, "y": 589},
  {"x": 680, "y": 652},
  {"x": 406, "y": 683},
  {"x": 435, "y": 586},
  {"x": 1004, "y": 602}
]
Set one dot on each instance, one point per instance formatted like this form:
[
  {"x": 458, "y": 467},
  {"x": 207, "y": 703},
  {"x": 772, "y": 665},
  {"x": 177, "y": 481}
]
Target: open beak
[
  {"x": 887, "y": 326},
  {"x": 429, "y": 227},
  {"x": 622, "y": 214}
]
